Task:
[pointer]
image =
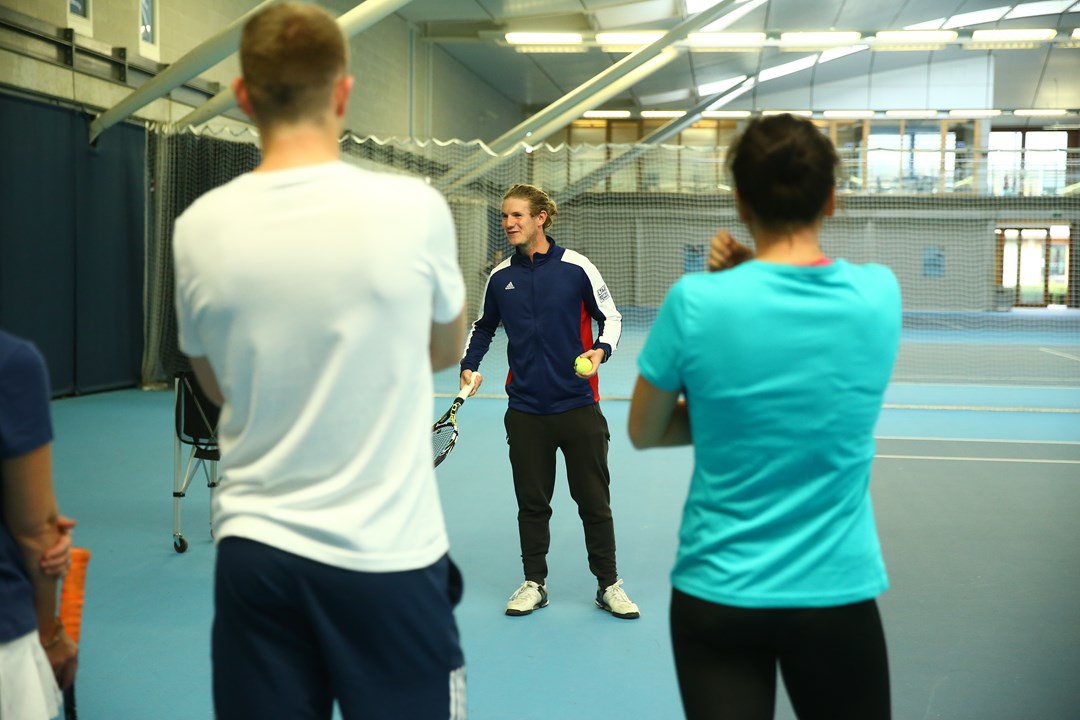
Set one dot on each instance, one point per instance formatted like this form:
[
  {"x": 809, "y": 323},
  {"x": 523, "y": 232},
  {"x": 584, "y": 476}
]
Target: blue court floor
[{"x": 977, "y": 511}]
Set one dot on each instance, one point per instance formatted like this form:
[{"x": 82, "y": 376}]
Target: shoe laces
[
  {"x": 616, "y": 593},
  {"x": 525, "y": 587}
]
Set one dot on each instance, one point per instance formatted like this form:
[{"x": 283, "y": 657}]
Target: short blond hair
[
  {"x": 538, "y": 201},
  {"x": 290, "y": 55}
]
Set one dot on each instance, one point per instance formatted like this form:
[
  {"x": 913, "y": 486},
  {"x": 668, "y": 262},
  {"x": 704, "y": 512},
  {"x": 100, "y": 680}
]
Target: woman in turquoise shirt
[{"x": 774, "y": 370}]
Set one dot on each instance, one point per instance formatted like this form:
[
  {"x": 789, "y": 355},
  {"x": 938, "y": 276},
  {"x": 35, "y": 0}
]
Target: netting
[{"x": 990, "y": 282}]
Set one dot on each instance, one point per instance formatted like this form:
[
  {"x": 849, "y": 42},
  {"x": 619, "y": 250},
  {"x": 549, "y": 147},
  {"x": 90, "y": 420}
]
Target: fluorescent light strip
[
  {"x": 1020, "y": 35},
  {"x": 632, "y": 39},
  {"x": 911, "y": 114},
  {"x": 537, "y": 38},
  {"x": 662, "y": 113},
  {"x": 797, "y": 113},
  {"x": 848, "y": 114},
  {"x": 915, "y": 36},
  {"x": 1037, "y": 112},
  {"x": 550, "y": 48},
  {"x": 606, "y": 114},
  {"x": 726, "y": 114},
  {"x": 818, "y": 39},
  {"x": 738, "y": 41},
  {"x": 974, "y": 113},
  {"x": 787, "y": 68}
]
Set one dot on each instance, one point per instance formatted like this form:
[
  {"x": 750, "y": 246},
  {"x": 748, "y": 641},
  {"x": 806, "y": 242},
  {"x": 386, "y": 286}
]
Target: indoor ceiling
[{"x": 1044, "y": 74}]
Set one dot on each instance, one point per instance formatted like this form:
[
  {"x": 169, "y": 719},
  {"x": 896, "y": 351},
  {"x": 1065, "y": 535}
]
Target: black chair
[{"x": 196, "y": 421}]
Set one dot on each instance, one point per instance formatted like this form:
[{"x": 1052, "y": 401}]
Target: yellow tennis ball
[{"x": 582, "y": 366}]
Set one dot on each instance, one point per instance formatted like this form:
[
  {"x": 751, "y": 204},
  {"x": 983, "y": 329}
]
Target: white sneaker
[
  {"x": 613, "y": 599},
  {"x": 530, "y": 596}
]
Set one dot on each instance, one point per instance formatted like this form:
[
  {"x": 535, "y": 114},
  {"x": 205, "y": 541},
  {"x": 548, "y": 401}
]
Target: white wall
[{"x": 405, "y": 87}]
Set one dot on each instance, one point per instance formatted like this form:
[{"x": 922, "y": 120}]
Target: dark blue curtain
[{"x": 71, "y": 243}]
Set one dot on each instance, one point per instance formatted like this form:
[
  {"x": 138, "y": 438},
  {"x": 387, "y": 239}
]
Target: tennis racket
[
  {"x": 71, "y": 605},
  {"x": 444, "y": 432}
]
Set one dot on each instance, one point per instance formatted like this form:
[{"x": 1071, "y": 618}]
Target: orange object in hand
[{"x": 72, "y": 592}]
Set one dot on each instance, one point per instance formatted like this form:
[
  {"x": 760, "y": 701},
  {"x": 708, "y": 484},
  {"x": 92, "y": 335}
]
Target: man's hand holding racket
[{"x": 444, "y": 432}]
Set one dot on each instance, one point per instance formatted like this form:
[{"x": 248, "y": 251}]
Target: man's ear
[
  {"x": 242, "y": 98},
  {"x": 342, "y": 88}
]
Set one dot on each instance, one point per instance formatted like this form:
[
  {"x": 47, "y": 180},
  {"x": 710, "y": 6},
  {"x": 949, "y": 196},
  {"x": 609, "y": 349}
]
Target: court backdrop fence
[{"x": 991, "y": 283}]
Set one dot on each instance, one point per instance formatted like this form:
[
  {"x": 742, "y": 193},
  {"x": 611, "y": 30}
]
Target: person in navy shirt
[
  {"x": 547, "y": 297},
  {"x": 37, "y": 657}
]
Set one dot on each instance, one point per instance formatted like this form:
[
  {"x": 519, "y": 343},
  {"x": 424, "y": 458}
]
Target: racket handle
[
  {"x": 467, "y": 388},
  {"x": 70, "y": 713}
]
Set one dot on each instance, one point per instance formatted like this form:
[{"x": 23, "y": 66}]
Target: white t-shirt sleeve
[
  {"x": 185, "y": 281},
  {"x": 449, "y": 284}
]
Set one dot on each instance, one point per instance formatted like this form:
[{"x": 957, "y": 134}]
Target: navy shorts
[{"x": 291, "y": 636}]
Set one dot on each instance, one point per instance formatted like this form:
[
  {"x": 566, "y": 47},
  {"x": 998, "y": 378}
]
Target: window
[
  {"x": 79, "y": 18},
  {"x": 1044, "y": 161},
  {"x": 148, "y": 29},
  {"x": 1003, "y": 162}
]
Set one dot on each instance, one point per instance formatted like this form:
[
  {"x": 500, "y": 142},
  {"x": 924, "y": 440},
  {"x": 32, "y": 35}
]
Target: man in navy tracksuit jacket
[{"x": 547, "y": 297}]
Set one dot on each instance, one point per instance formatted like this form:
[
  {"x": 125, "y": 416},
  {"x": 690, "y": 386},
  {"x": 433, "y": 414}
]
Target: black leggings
[{"x": 833, "y": 660}]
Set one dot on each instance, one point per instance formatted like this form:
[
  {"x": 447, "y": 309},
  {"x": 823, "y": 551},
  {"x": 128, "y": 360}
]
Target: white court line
[
  {"x": 978, "y": 459},
  {"x": 1059, "y": 354},
  {"x": 980, "y": 408},
  {"x": 978, "y": 440}
]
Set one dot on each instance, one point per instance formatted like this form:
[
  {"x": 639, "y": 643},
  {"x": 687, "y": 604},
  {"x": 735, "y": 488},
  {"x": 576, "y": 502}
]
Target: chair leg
[{"x": 179, "y": 486}]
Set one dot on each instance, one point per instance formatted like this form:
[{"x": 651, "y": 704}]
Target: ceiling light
[
  {"x": 626, "y": 41},
  {"x": 539, "y": 38},
  {"x": 848, "y": 114},
  {"x": 719, "y": 86},
  {"x": 817, "y": 40},
  {"x": 978, "y": 17},
  {"x": 1034, "y": 35},
  {"x": 662, "y": 113},
  {"x": 1039, "y": 112},
  {"x": 911, "y": 114},
  {"x": 726, "y": 42},
  {"x": 974, "y": 113},
  {"x": 797, "y": 113},
  {"x": 550, "y": 48},
  {"x": 787, "y": 68},
  {"x": 606, "y": 114},
  {"x": 1008, "y": 39},
  {"x": 913, "y": 39},
  {"x": 725, "y": 114}
]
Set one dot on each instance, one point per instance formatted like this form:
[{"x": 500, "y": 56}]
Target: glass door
[{"x": 1034, "y": 263}]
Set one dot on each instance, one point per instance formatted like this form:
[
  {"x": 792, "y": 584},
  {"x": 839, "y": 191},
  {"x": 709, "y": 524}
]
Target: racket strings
[{"x": 442, "y": 439}]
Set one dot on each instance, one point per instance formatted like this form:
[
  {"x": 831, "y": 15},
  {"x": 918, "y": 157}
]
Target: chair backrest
[{"x": 196, "y": 416}]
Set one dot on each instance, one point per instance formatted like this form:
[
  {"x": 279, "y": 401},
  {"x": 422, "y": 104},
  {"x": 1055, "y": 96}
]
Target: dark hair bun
[{"x": 784, "y": 169}]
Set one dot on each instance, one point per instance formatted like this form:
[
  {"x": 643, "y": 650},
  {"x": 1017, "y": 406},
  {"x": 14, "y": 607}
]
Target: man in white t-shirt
[{"x": 318, "y": 332}]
